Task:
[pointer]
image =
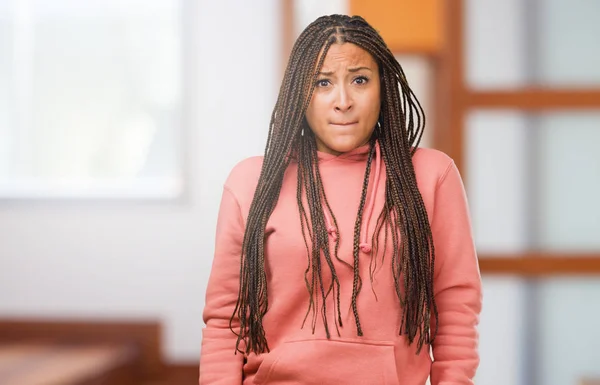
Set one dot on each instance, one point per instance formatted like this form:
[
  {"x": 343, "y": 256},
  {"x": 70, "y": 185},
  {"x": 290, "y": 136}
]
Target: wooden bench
[
  {"x": 52, "y": 363},
  {"x": 79, "y": 352}
]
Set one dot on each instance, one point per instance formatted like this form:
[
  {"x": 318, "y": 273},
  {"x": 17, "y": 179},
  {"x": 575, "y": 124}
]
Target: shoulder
[
  {"x": 432, "y": 168},
  {"x": 243, "y": 177},
  {"x": 432, "y": 164}
]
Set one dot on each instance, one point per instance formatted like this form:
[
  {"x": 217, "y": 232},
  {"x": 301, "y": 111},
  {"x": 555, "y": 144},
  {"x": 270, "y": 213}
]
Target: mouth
[{"x": 343, "y": 124}]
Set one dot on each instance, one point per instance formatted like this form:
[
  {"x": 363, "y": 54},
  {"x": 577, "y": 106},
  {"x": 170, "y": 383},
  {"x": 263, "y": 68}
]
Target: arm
[
  {"x": 457, "y": 285},
  {"x": 218, "y": 362}
]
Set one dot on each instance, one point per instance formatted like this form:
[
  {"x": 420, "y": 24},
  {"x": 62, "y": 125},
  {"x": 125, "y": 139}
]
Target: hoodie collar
[{"x": 359, "y": 154}]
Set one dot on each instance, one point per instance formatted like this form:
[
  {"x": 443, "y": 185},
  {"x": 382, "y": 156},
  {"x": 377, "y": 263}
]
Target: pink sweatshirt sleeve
[
  {"x": 218, "y": 362},
  {"x": 457, "y": 285}
]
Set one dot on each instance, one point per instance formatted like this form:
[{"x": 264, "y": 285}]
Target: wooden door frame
[{"x": 457, "y": 99}]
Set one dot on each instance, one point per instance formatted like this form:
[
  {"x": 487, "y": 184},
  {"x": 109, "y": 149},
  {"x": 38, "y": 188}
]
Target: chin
[{"x": 344, "y": 145}]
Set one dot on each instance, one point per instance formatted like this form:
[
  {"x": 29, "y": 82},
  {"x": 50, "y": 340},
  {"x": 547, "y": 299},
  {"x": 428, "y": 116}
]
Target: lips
[{"x": 343, "y": 123}]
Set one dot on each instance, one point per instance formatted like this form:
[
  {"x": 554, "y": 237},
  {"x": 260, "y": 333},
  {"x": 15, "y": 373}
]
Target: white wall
[{"x": 150, "y": 259}]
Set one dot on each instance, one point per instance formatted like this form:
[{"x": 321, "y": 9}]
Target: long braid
[
  {"x": 404, "y": 217},
  {"x": 357, "y": 282}
]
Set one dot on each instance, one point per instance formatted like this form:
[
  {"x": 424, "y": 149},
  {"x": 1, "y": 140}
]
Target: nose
[{"x": 343, "y": 101}]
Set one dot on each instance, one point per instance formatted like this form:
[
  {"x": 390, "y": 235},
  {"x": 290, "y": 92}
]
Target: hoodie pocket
[{"x": 325, "y": 362}]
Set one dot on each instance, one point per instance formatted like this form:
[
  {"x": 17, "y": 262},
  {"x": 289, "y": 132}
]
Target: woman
[{"x": 346, "y": 251}]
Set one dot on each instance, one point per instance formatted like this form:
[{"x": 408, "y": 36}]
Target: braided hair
[{"x": 399, "y": 130}]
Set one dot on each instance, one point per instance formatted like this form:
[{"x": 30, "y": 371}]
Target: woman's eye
[
  {"x": 322, "y": 83},
  {"x": 361, "y": 80}
]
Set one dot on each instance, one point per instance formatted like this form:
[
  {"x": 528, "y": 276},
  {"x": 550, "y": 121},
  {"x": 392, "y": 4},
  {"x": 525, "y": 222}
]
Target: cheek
[
  {"x": 371, "y": 107},
  {"x": 376, "y": 110},
  {"x": 315, "y": 114},
  {"x": 375, "y": 106}
]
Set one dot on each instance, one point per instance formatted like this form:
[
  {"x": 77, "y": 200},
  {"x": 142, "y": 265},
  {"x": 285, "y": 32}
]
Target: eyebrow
[{"x": 352, "y": 69}]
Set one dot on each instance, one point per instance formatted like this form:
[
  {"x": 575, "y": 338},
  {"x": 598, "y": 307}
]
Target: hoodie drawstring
[
  {"x": 365, "y": 246},
  {"x": 330, "y": 227}
]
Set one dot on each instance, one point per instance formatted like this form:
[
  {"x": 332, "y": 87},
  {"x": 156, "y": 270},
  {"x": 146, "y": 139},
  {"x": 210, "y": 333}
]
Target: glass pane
[
  {"x": 97, "y": 97},
  {"x": 569, "y": 313},
  {"x": 569, "y": 178},
  {"x": 569, "y": 52},
  {"x": 501, "y": 329},
  {"x": 496, "y": 149},
  {"x": 495, "y": 44},
  {"x": 513, "y": 43},
  {"x": 533, "y": 181}
]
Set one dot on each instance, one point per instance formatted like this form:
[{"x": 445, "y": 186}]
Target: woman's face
[{"x": 345, "y": 105}]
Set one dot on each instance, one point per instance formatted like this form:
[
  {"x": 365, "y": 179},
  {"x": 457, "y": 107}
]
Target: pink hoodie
[{"x": 381, "y": 356}]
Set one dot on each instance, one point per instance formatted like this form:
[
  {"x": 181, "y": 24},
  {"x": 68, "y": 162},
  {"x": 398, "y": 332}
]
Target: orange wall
[{"x": 405, "y": 25}]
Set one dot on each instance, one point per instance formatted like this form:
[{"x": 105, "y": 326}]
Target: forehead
[{"x": 340, "y": 56}]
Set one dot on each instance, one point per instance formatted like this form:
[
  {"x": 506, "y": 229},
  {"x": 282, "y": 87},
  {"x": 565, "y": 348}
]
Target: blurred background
[{"x": 121, "y": 119}]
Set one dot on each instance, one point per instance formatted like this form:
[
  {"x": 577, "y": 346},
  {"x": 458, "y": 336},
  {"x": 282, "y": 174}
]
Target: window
[
  {"x": 91, "y": 98},
  {"x": 523, "y": 108}
]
